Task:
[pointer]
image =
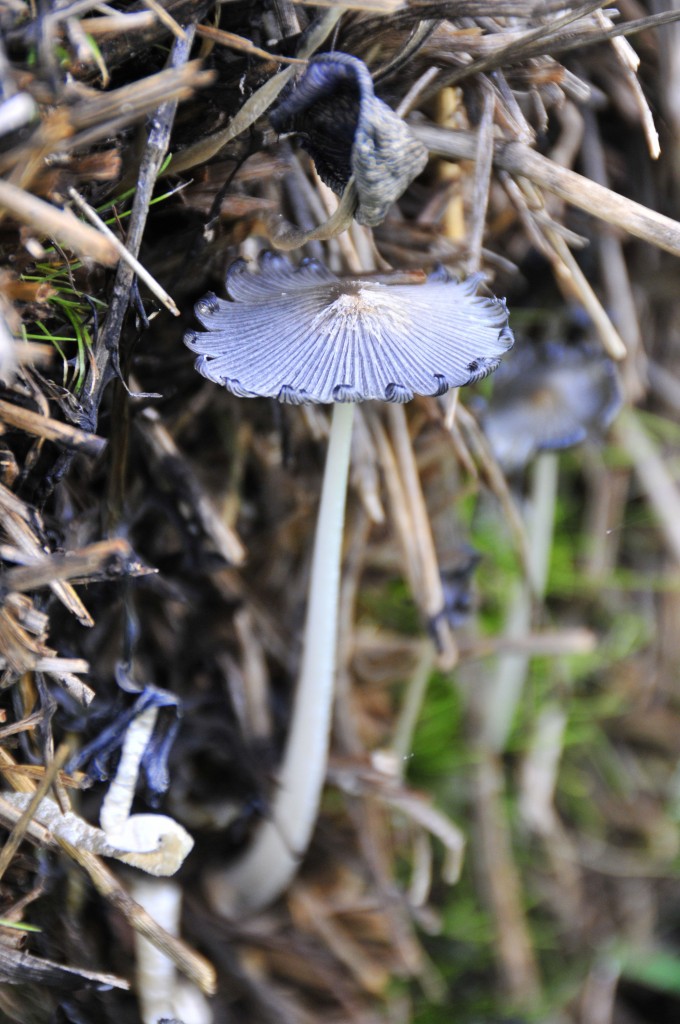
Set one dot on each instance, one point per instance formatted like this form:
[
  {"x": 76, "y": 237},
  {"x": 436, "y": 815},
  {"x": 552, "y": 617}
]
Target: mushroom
[
  {"x": 550, "y": 397},
  {"x": 546, "y": 398},
  {"x": 155, "y": 843},
  {"x": 350, "y": 133},
  {"x": 304, "y": 335}
]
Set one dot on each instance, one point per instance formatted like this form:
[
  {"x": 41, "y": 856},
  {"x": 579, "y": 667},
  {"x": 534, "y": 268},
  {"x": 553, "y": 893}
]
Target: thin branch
[
  {"x": 133, "y": 263},
  {"x": 106, "y": 350},
  {"x": 51, "y": 430},
  {"x": 573, "y": 188},
  {"x": 49, "y": 221}
]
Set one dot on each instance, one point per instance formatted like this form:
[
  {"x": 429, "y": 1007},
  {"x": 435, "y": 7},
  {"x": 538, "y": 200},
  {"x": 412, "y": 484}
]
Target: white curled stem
[
  {"x": 153, "y": 842},
  {"x": 280, "y": 843},
  {"x": 117, "y": 803}
]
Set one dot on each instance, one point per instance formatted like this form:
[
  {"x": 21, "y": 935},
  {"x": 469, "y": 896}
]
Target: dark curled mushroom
[
  {"x": 349, "y": 132},
  {"x": 549, "y": 397},
  {"x": 457, "y": 586},
  {"x": 304, "y": 335}
]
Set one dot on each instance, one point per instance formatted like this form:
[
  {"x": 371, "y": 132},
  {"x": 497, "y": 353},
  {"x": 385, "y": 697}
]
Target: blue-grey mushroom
[
  {"x": 549, "y": 397},
  {"x": 349, "y": 132},
  {"x": 457, "y": 586},
  {"x": 304, "y": 335}
]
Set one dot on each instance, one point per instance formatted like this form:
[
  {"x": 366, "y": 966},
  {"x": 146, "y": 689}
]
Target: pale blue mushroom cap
[
  {"x": 301, "y": 334},
  {"x": 548, "y": 397}
]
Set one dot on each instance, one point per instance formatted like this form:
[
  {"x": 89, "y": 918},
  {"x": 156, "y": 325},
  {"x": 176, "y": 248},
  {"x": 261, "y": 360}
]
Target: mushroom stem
[
  {"x": 505, "y": 691},
  {"x": 275, "y": 854}
]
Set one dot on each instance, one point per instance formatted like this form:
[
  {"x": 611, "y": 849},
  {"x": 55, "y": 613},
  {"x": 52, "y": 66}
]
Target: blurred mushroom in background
[
  {"x": 547, "y": 397},
  {"x": 457, "y": 581}
]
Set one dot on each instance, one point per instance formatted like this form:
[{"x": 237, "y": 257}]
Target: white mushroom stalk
[
  {"x": 546, "y": 398},
  {"x": 162, "y": 993},
  {"x": 281, "y": 841},
  {"x": 304, "y": 335}
]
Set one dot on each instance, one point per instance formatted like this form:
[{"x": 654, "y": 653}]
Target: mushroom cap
[
  {"x": 301, "y": 334},
  {"x": 550, "y": 397},
  {"x": 347, "y": 130}
]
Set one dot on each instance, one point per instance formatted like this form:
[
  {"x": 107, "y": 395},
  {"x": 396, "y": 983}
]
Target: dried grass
[{"x": 499, "y": 835}]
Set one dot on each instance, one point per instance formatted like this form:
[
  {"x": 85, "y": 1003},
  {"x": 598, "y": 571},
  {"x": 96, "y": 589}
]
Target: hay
[{"x": 498, "y": 836}]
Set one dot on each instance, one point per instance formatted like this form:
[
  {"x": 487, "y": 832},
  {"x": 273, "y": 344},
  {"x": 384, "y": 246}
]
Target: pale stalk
[
  {"x": 270, "y": 863},
  {"x": 507, "y": 684}
]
